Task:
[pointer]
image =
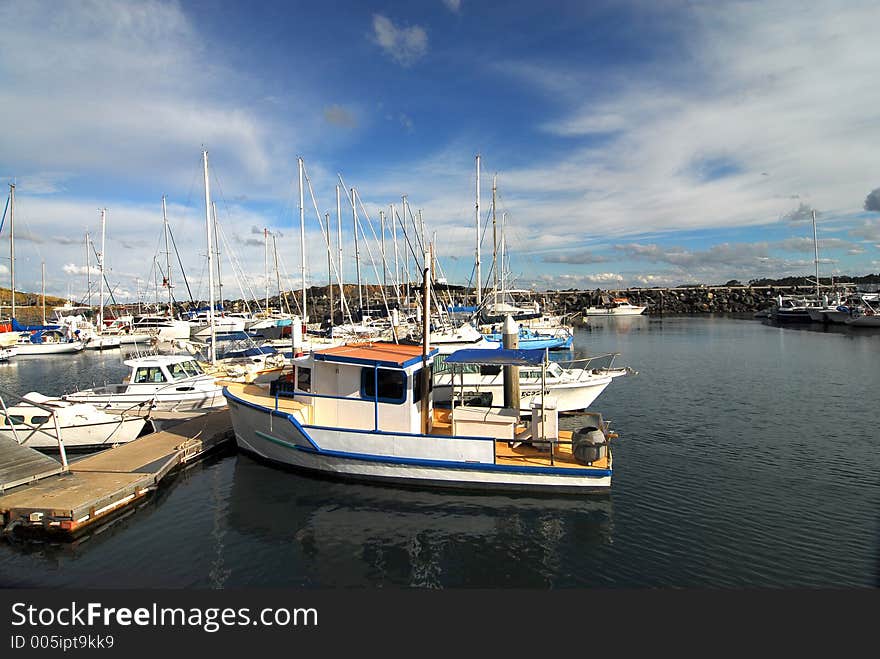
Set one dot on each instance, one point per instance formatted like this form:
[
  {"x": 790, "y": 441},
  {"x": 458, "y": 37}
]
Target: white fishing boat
[
  {"x": 618, "y": 306},
  {"x": 366, "y": 411},
  {"x": 8, "y": 353},
  {"x": 83, "y": 427},
  {"x": 158, "y": 382},
  {"x": 574, "y": 386}
]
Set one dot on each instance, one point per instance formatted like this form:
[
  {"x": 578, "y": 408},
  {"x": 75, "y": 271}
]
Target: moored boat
[
  {"x": 158, "y": 382},
  {"x": 83, "y": 427},
  {"x": 366, "y": 411}
]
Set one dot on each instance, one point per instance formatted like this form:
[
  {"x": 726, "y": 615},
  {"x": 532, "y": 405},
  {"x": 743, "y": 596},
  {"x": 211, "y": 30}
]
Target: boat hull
[
  {"x": 135, "y": 402},
  {"x": 455, "y": 463},
  {"x": 86, "y": 437},
  {"x": 49, "y": 348},
  {"x": 569, "y": 396}
]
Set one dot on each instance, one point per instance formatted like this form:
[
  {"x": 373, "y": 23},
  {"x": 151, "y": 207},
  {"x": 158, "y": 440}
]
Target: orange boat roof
[{"x": 386, "y": 353}]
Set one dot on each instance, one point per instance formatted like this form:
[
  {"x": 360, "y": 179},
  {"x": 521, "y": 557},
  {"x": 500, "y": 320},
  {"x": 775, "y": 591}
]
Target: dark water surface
[{"x": 748, "y": 457}]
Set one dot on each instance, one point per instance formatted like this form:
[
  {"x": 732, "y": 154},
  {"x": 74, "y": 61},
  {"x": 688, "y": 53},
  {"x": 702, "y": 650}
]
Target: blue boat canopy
[{"x": 496, "y": 357}]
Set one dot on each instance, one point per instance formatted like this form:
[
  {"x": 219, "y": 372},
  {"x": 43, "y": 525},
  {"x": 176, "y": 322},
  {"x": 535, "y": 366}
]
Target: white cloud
[
  {"x": 405, "y": 45},
  {"x": 453, "y": 5}
]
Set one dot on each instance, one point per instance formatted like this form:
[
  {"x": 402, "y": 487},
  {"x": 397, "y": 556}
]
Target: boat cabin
[
  {"x": 162, "y": 370},
  {"x": 368, "y": 386}
]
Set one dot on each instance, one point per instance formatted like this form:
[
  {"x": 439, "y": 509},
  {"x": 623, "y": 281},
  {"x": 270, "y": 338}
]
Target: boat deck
[{"x": 516, "y": 453}]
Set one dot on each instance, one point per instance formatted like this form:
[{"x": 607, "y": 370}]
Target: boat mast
[
  {"x": 478, "y": 275},
  {"x": 89, "y": 269},
  {"x": 277, "y": 273},
  {"x": 494, "y": 244},
  {"x": 329, "y": 266},
  {"x": 101, "y": 268},
  {"x": 357, "y": 255},
  {"x": 266, "y": 265},
  {"x": 302, "y": 240},
  {"x": 384, "y": 267},
  {"x": 816, "y": 250},
  {"x": 501, "y": 260},
  {"x": 396, "y": 267},
  {"x": 12, "y": 243},
  {"x": 43, "y": 289},
  {"x": 339, "y": 250},
  {"x": 167, "y": 258},
  {"x": 210, "y": 259},
  {"x": 406, "y": 251},
  {"x": 426, "y": 339},
  {"x": 217, "y": 253}
]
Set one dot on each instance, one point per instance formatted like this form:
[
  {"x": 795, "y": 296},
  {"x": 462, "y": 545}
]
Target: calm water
[{"x": 748, "y": 457}]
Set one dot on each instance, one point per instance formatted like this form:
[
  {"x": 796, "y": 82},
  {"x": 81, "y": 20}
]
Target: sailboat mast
[
  {"x": 816, "y": 250},
  {"x": 503, "y": 222},
  {"x": 101, "y": 268},
  {"x": 406, "y": 251},
  {"x": 89, "y": 269},
  {"x": 302, "y": 240},
  {"x": 210, "y": 259},
  {"x": 396, "y": 266},
  {"x": 167, "y": 258},
  {"x": 478, "y": 274},
  {"x": 43, "y": 289},
  {"x": 339, "y": 250},
  {"x": 217, "y": 253},
  {"x": 277, "y": 273},
  {"x": 329, "y": 266},
  {"x": 12, "y": 243},
  {"x": 266, "y": 265},
  {"x": 384, "y": 265},
  {"x": 357, "y": 254},
  {"x": 494, "y": 243}
]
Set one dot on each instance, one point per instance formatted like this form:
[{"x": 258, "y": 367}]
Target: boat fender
[{"x": 588, "y": 445}]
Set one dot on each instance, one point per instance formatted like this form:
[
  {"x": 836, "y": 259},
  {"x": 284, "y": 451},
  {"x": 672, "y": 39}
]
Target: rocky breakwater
[{"x": 697, "y": 299}]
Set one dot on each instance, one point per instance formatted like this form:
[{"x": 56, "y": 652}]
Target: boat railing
[
  {"x": 4, "y": 393},
  {"x": 587, "y": 365}
]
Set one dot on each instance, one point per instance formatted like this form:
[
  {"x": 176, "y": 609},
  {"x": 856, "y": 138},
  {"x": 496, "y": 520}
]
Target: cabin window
[
  {"x": 177, "y": 371},
  {"x": 304, "y": 379},
  {"x": 13, "y": 420},
  {"x": 191, "y": 368},
  {"x": 392, "y": 385},
  {"x": 39, "y": 420},
  {"x": 417, "y": 386},
  {"x": 149, "y": 374},
  {"x": 489, "y": 369}
]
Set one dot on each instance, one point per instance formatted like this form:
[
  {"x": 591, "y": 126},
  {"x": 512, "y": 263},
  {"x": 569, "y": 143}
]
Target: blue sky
[{"x": 634, "y": 143}]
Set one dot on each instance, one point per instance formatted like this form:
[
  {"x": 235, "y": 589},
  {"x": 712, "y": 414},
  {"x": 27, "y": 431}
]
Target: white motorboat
[
  {"x": 83, "y": 426},
  {"x": 158, "y": 382},
  {"x": 574, "y": 387},
  {"x": 618, "y": 306},
  {"x": 365, "y": 411}
]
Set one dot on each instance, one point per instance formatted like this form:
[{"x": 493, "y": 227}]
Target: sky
[{"x": 642, "y": 143}]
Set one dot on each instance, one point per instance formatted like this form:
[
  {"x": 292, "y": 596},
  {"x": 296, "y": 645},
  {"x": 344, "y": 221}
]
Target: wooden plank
[{"x": 22, "y": 464}]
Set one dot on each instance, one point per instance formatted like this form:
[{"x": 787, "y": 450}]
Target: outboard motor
[{"x": 589, "y": 445}]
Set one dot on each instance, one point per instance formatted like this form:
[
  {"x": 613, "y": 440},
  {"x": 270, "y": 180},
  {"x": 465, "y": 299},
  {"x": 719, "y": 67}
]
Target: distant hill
[{"x": 28, "y": 306}]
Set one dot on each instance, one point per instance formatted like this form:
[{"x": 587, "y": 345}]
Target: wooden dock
[
  {"x": 102, "y": 484},
  {"x": 20, "y": 464}
]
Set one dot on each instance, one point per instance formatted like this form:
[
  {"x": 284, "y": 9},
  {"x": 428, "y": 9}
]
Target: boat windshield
[
  {"x": 191, "y": 368},
  {"x": 178, "y": 372}
]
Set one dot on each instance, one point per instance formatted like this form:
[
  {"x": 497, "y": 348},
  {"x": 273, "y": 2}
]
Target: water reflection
[
  {"x": 355, "y": 534},
  {"x": 618, "y": 324}
]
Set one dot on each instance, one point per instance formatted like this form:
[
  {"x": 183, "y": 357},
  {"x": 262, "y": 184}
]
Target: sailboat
[{"x": 33, "y": 339}]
